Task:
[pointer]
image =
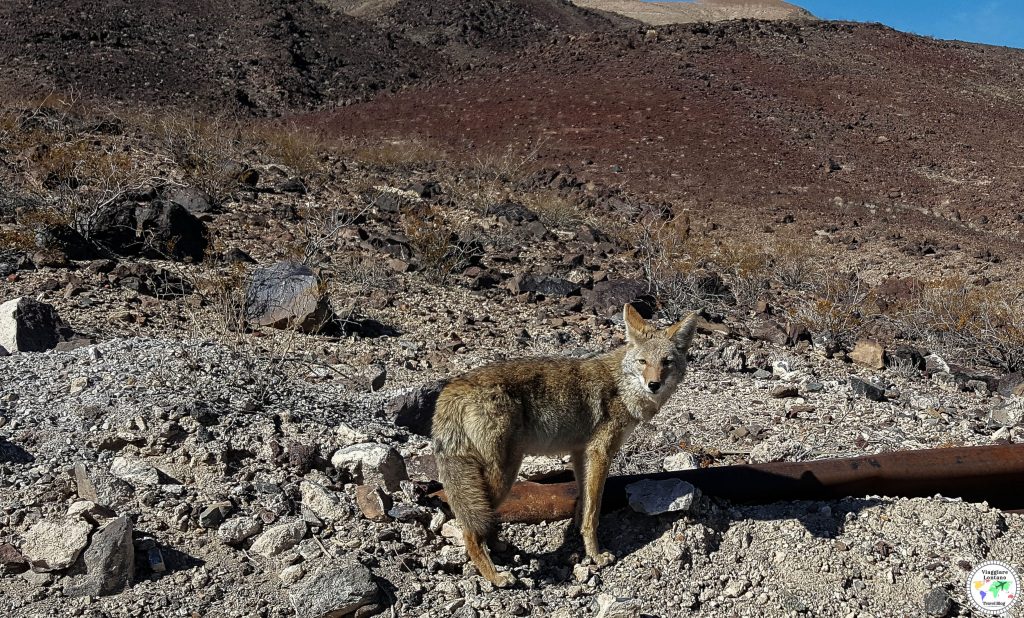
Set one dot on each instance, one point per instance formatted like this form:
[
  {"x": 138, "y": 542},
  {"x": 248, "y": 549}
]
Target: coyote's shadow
[{"x": 624, "y": 531}]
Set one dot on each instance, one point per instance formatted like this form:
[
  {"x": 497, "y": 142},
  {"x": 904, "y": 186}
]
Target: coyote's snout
[{"x": 488, "y": 419}]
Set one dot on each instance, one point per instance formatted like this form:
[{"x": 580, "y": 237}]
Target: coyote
[{"x": 488, "y": 419}]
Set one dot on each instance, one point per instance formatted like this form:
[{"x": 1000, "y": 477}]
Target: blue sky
[{"x": 996, "y": 22}]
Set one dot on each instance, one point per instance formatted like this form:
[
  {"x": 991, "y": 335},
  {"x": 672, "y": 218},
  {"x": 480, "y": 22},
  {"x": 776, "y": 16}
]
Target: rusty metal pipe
[{"x": 981, "y": 473}]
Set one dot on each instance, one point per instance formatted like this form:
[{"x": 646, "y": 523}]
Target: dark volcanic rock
[
  {"x": 11, "y": 560},
  {"x": 27, "y": 325},
  {"x": 168, "y": 229},
  {"x": 511, "y": 212},
  {"x": 415, "y": 410},
  {"x": 609, "y": 296},
  {"x": 867, "y": 389},
  {"x": 108, "y": 563},
  {"x": 191, "y": 199},
  {"x": 548, "y": 286},
  {"x": 65, "y": 240},
  {"x": 159, "y": 229}
]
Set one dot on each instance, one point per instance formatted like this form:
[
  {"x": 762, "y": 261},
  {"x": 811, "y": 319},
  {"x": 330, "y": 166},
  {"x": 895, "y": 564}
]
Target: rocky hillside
[{"x": 260, "y": 56}]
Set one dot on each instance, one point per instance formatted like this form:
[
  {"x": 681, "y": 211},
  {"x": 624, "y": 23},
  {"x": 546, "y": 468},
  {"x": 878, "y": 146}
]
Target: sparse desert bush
[
  {"x": 747, "y": 267},
  {"x": 298, "y": 148},
  {"x": 495, "y": 177},
  {"x": 836, "y": 310},
  {"x": 793, "y": 263},
  {"x": 674, "y": 265},
  {"x": 396, "y": 153},
  {"x": 434, "y": 244},
  {"x": 975, "y": 325},
  {"x": 203, "y": 149},
  {"x": 554, "y": 210}
]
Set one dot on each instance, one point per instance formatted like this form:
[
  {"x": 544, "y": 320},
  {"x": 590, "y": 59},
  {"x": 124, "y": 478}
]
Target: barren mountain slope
[
  {"x": 261, "y": 56},
  {"x": 761, "y": 118},
  {"x": 661, "y": 13}
]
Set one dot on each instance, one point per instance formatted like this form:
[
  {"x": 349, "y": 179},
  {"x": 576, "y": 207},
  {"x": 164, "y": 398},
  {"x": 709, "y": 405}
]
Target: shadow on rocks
[
  {"x": 12, "y": 453},
  {"x": 624, "y": 531}
]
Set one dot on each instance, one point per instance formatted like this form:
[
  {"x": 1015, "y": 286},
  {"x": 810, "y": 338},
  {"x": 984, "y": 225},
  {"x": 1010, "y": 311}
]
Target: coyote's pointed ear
[
  {"x": 681, "y": 333},
  {"x": 636, "y": 326}
]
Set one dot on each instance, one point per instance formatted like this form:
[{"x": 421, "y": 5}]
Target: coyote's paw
[
  {"x": 503, "y": 579},
  {"x": 603, "y": 559}
]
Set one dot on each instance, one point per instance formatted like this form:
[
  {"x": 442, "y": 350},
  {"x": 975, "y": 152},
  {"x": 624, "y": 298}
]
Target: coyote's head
[{"x": 656, "y": 359}]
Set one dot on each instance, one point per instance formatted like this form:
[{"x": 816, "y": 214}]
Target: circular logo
[{"x": 993, "y": 587}]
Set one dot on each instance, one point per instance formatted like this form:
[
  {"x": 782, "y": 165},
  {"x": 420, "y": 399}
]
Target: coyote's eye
[
  {"x": 667, "y": 361},
  {"x": 641, "y": 361}
]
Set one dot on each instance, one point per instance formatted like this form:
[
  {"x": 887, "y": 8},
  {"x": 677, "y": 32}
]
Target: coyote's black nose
[{"x": 654, "y": 386}]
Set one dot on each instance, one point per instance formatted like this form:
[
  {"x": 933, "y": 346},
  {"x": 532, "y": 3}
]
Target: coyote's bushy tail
[{"x": 461, "y": 468}]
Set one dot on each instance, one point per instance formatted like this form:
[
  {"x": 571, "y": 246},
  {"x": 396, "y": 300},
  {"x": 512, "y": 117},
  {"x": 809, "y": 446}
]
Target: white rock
[
  {"x": 324, "y": 503},
  {"x": 55, "y": 545},
  {"x": 238, "y": 529},
  {"x": 138, "y": 473},
  {"x": 279, "y": 539},
  {"x": 370, "y": 462},
  {"x": 615, "y": 607},
  {"x": 735, "y": 588},
  {"x": 656, "y": 497},
  {"x": 680, "y": 461},
  {"x": 349, "y": 436},
  {"x": 292, "y": 574}
]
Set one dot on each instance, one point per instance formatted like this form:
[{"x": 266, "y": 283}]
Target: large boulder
[
  {"x": 288, "y": 295},
  {"x": 191, "y": 199},
  {"x": 159, "y": 229},
  {"x": 64, "y": 240},
  {"x": 335, "y": 592},
  {"x": 607, "y": 297},
  {"x": 27, "y": 325}
]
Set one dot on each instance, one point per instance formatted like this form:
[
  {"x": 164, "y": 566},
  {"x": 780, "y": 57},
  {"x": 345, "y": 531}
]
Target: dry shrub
[
  {"x": 835, "y": 314},
  {"x": 554, "y": 211},
  {"x": 674, "y": 265},
  {"x": 978, "y": 325},
  {"x": 225, "y": 295},
  {"x": 296, "y": 147},
  {"x": 203, "y": 149},
  {"x": 794, "y": 263},
  {"x": 497, "y": 176},
  {"x": 747, "y": 267},
  {"x": 434, "y": 244}
]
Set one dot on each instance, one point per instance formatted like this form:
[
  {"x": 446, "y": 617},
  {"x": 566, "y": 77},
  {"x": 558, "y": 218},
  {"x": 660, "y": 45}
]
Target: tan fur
[{"x": 488, "y": 419}]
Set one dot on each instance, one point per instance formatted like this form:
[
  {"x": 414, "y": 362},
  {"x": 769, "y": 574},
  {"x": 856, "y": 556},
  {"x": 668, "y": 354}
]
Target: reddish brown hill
[{"x": 770, "y": 115}]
